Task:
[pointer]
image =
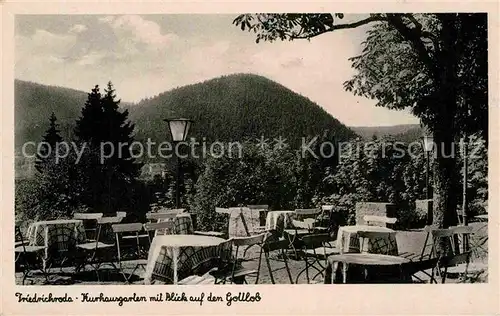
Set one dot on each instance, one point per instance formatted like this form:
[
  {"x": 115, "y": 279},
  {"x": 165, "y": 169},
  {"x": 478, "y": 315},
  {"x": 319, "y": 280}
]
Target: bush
[
  {"x": 376, "y": 173},
  {"x": 258, "y": 177}
]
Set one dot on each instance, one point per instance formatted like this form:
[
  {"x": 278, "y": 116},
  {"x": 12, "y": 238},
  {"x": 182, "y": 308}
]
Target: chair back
[
  {"x": 280, "y": 256},
  {"x": 453, "y": 260},
  {"x": 120, "y": 230},
  {"x": 452, "y": 236},
  {"x": 413, "y": 267},
  {"x": 121, "y": 214},
  {"x": 87, "y": 216},
  {"x": 302, "y": 213},
  {"x": 315, "y": 241},
  {"x": 221, "y": 210},
  {"x": 273, "y": 244},
  {"x": 302, "y": 224},
  {"x": 126, "y": 228},
  {"x": 104, "y": 229},
  {"x": 169, "y": 210},
  {"x": 457, "y": 259},
  {"x": 449, "y": 232},
  {"x": 262, "y": 207},
  {"x": 161, "y": 228},
  {"x": 374, "y": 220},
  {"x": 327, "y": 208},
  {"x": 89, "y": 223},
  {"x": 109, "y": 220},
  {"x": 226, "y": 250},
  {"x": 19, "y": 237},
  {"x": 428, "y": 245},
  {"x": 246, "y": 242},
  {"x": 161, "y": 216},
  {"x": 249, "y": 241}
]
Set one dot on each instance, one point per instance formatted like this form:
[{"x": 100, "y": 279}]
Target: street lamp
[{"x": 179, "y": 128}]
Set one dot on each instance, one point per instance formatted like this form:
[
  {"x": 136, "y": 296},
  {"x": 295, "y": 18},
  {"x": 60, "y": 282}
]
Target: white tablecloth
[
  {"x": 56, "y": 235},
  {"x": 276, "y": 220},
  {"x": 349, "y": 241},
  {"x": 168, "y": 252}
]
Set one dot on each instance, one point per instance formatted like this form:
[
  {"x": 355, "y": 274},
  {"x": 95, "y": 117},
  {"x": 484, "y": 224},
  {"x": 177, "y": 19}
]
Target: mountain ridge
[
  {"x": 226, "y": 108},
  {"x": 31, "y": 126}
]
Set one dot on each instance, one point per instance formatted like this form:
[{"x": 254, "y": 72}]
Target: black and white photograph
[{"x": 250, "y": 149}]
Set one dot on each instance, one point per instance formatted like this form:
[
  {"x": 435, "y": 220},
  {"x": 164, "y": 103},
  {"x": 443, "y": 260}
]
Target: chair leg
[
  {"x": 25, "y": 276},
  {"x": 443, "y": 275},
  {"x": 269, "y": 267},
  {"x": 320, "y": 270},
  {"x": 259, "y": 266},
  {"x": 307, "y": 270},
  {"x": 123, "y": 273},
  {"x": 285, "y": 259}
]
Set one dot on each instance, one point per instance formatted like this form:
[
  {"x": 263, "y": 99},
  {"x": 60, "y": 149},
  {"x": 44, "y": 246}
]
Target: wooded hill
[{"x": 228, "y": 108}]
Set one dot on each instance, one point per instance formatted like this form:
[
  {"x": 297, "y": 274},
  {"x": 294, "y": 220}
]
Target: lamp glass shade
[
  {"x": 428, "y": 143},
  {"x": 179, "y": 129}
]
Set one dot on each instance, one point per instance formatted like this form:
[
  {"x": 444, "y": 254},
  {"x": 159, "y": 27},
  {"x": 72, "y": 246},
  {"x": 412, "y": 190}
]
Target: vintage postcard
[{"x": 236, "y": 158}]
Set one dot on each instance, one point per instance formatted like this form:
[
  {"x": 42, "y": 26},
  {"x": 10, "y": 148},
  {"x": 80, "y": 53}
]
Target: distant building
[
  {"x": 24, "y": 167},
  {"x": 150, "y": 170}
]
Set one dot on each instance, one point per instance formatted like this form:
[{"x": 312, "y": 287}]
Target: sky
[{"x": 144, "y": 55}]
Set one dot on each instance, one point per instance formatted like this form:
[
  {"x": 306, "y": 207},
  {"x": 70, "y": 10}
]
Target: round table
[
  {"x": 165, "y": 247},
  {"x": 367, "y": 268},
  {"x": 349, "y": 241},
  {"x": 57, "y": 236}
]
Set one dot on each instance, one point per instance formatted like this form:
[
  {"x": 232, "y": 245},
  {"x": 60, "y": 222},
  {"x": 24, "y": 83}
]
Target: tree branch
[
  {"x": 423, "y": 34},
  {"x": 413, "y": 36},
  {"x": 371, "y": 19},
  {"x": 417, "y": 24}
]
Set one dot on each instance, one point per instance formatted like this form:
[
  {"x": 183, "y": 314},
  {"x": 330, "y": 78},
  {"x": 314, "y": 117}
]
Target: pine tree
[
  {"x": 47, "y": 152},
  {"x": 55, "y": 190},
  {"x": 117, "y": 130},
  {"x": 110, "y": 174},
  {"x": 88, "y": 125}
]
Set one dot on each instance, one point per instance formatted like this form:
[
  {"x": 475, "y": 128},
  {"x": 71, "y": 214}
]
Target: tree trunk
[
  {"x": 446, "y": 176},
  {"x": 445, "y": 181}
]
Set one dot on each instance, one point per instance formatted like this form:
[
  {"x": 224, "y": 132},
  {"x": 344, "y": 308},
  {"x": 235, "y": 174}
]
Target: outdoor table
[
  {"x": 278, "y": 220},
  {"x": 183, "y": 224},
  {"x": 55, "y": 236},
  {"x": 349, "y": 241},
  {"x": 366, "y": 268},
  {"x": 174, "y": 250}
]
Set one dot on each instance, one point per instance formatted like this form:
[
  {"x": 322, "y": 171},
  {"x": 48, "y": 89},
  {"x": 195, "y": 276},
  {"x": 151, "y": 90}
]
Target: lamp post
[
  {"x": 465, "y": 154},
  {"x": 428, "y": 146},
  {"x": 179, "y": 128},
  {"x": 428, "y": 143}
]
